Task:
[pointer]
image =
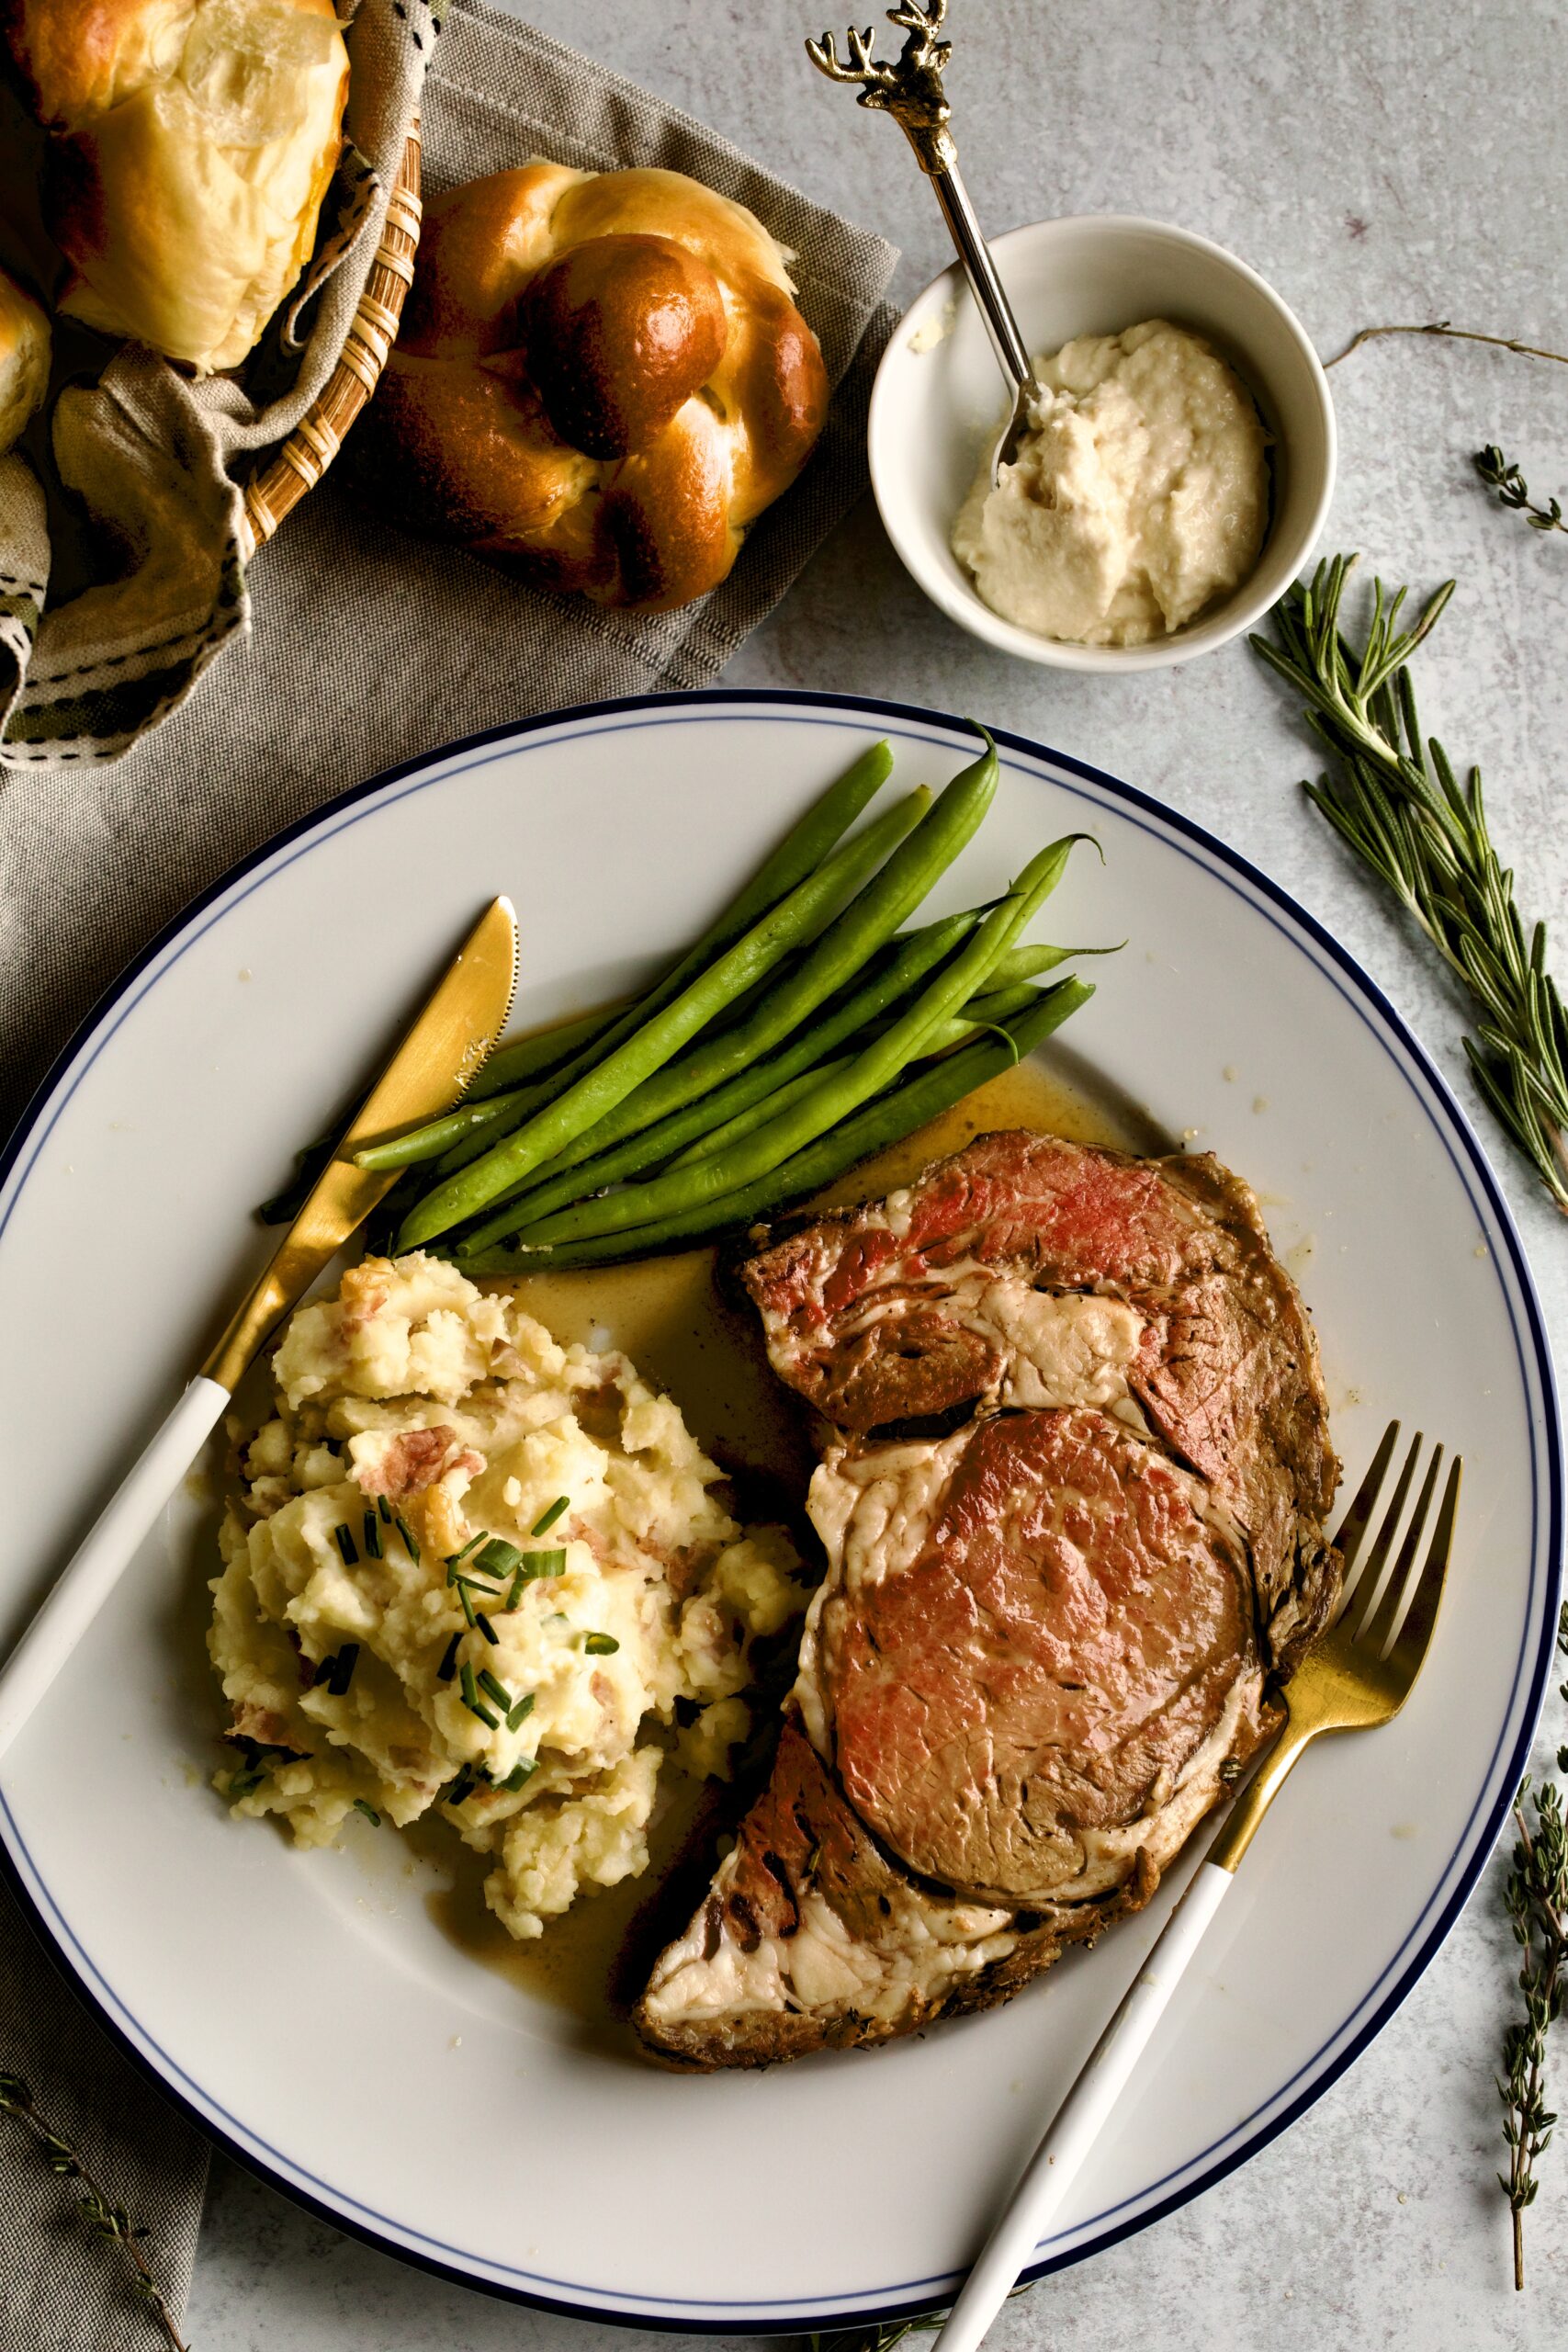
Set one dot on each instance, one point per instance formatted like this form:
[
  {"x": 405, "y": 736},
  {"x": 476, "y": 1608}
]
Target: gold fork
[{"x": 1359, "y": 1674}]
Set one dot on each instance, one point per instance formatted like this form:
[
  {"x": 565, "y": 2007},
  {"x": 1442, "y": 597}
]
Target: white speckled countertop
[{"x": 1376, "y": 162}]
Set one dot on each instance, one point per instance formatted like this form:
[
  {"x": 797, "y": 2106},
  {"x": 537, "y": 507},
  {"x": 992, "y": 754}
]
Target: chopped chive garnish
[
  {"x": 407, "y": 1533},
  {"x": 547, "y": 1519},
  {"x": 494, "y": 1690},
  {"x": 463, "y": 1786},
  {"x": 601, "y": 1645},
  {"x": 372, "y": 1536},
  {"x": 523, "y": 1770},
  {"x": 486, "y": 1628},
  {"x": 448, "y": 1665},
  {"x": 385, "y": 1507},
  {"x": 455, "y": 1559},
  {"x": 541, "y": 1563},
  {"x": 474, "y": 1703},
  {"x": 498, "y": 1559},
  {"x": 346, "y": 1546},
  {"x": 371, "y": 1815},
  {"x": 464, "y": 1600},
  {"x": 343, "y": 1668},
  {"x": 524, "y": 1707}
]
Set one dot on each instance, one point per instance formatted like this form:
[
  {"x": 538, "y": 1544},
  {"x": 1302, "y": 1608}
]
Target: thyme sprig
[
  {"x": 1395, "y": 798},
  {"x": 1457, "y": 334},
  {"x": 107, "y": 2219},
  {"x": 1535, "y": 1899},
  {"x": 1513, "y": 490}
]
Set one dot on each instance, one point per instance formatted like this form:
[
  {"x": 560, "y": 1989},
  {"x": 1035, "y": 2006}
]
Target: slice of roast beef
[
  {"x": 811, "y": 1939},
  {"x": 1029, "y": 1270},
  {"x": 1034, "y": 1651},
  {"x": 1031, "y": 1670}
]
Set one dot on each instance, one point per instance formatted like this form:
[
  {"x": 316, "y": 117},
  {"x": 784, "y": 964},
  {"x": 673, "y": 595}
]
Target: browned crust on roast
[{"x": 801, "y": 1837}]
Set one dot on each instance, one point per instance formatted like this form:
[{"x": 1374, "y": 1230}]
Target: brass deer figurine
[{"x": 910, "y": 91}]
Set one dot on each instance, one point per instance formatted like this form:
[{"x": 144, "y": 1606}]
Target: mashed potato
[
  {"x": 1139, "y": 493},
  {"x": 474, "y": 1570}
]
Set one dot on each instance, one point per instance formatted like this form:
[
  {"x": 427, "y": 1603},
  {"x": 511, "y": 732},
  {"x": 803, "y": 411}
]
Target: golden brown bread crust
[
  {"x": 601, "y": 381},
  {"x": 24, "y": 359},
  {"x": 192, "y": 142}
]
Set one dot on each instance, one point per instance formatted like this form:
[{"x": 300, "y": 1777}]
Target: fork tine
[
  {"x": 1375, "y": 1568},
  {"x": 1386, "y": 1612},
  {"x": 1412, "y": 1629},
  {"x": 1357, "y": 1518}
]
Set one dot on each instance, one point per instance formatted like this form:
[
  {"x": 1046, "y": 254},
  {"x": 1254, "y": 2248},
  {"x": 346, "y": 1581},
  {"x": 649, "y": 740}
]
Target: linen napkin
[
  {"x": 61, "y": 2287},
  {"x": 362, "y": 648}
]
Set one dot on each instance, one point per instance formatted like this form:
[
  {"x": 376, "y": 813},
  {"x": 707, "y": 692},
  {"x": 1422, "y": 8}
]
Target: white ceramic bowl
[{"x": 939, "y": 400}]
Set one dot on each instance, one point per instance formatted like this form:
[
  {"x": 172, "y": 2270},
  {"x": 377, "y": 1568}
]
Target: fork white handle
[
  {"x": 1055, "y": 2164},
  {"x": 82, "y": 1590}
]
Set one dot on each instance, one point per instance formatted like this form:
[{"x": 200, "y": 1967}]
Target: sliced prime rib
[
  {"x": 1028, "y": 1271},
  {"x": 1047, "y": 1636}
]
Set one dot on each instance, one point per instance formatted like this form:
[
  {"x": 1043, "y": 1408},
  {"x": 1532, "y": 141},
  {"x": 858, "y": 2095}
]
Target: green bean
[
  {"x": 542, "y": 1050},
  {"x": 561, "y": 1121},
  {"x": 797, "y": 856},
  {"x": 911, "y": 959},
  {"x": 993, "y": 1011},
  {"x": 467, "y": 1120},
  {"x": 886, "y": 1121},
  {"x": 835, "y": 1098}
]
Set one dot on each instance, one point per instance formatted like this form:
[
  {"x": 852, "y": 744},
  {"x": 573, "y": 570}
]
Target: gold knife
[{"x": 431, "y": 1070}]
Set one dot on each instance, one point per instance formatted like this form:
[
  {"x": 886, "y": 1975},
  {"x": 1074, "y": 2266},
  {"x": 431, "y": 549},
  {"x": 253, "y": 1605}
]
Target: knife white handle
[
  {"x": 1055, "y": 2164},
  {"x": 86, "y": 1584}
]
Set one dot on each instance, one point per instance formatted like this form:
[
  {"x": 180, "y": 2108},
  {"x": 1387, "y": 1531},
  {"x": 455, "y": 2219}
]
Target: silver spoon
[{"x": 912, "y": 91}]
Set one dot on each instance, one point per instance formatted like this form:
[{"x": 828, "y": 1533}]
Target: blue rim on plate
[{"x": 1533, "y": 1667}]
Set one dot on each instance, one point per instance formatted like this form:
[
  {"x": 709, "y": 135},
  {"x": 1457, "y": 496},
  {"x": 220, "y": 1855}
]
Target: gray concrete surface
[{"x": 1376, "y": 162}]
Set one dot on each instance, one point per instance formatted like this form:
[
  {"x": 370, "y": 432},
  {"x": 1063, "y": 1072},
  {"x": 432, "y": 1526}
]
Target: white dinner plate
[{"x": 306, "y": 2008}]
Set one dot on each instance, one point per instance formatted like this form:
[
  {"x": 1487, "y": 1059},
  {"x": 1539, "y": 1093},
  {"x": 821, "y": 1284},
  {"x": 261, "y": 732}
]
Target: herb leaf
[{"x": 1513, "y": 490}]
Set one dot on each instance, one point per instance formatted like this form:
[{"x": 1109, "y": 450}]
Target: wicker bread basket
[{"x": 282, "y": 481}]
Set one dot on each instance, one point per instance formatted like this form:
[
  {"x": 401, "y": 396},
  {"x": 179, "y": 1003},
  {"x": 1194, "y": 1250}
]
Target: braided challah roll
[{"x": 602, "y": 380}]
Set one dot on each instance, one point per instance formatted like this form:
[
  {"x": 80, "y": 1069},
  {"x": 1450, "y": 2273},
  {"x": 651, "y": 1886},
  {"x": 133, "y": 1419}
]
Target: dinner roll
[
  {"x": 24, "y": 359},
  {"x": 602, "y": 380},
  {"x": 193, "y": 141}
]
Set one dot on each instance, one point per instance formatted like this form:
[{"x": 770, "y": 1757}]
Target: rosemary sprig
[
  {"x": 1513, "y": 490},
  {"x": 1535, "y": 1899},
  {"x": 1395, "y": 799},
  {"x": 108, "y": 2221}
]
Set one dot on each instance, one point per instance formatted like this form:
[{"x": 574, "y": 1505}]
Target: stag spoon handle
[{"x": 911, "y": 91}]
